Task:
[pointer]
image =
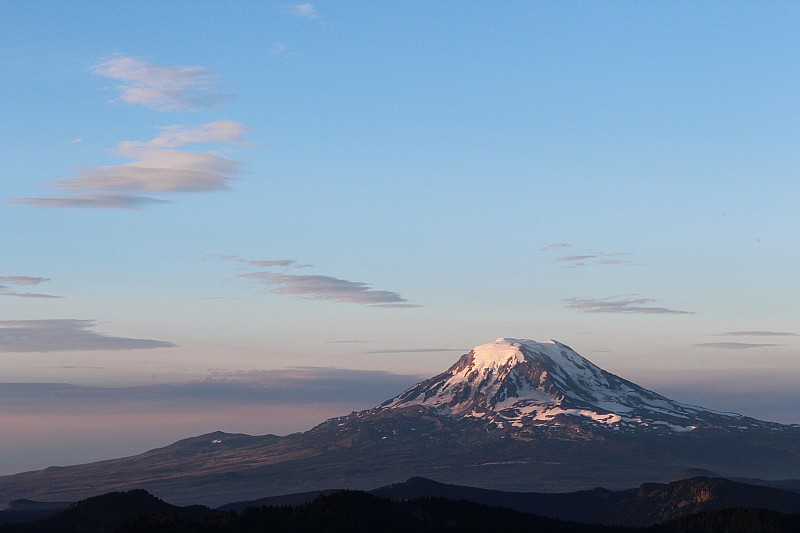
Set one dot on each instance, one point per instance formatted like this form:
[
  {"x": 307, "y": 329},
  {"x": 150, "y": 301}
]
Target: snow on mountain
[{"x": 523, "y": 383}]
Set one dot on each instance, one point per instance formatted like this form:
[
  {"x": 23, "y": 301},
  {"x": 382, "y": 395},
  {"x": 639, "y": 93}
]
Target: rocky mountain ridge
[{"x": 521, "y": 384}]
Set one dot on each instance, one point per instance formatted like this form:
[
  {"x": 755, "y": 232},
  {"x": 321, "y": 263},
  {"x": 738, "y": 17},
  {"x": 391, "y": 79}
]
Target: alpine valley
[{"x": 513, "y": 415}]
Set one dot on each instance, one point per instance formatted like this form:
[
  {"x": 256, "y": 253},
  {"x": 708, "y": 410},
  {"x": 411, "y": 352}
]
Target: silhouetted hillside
[
  {"x": 651, "y": 503},
  {"x": 107, "y": 512},
  {"x": 356, "y": 511}
]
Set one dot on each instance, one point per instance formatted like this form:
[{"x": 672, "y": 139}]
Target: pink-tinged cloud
[
  {"x": 159, "y": 171},
  {"x": 593, "y": 258},
  {"x": 264, "y": 263},
  {"x": 273, "y": 262},
  {"x": 319, "y": 287},
  {"x": 157, "y": 167},
  {"x": 576, "y": 257},
  {"x": 23, "y": 280},
  {"x": 62, "y": 335},
  {"x": 621, "y": 305},
  {"x": 159, "y": 87},
  {"x": 175, "y": 136},
  {"x": 28, "y": 294},
  {"x": 556, "y": 246},
  {"x": 92, "y": 201}
]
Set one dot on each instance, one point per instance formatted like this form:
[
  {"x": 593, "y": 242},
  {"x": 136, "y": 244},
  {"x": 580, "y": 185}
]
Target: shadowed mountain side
[
  {"x": 370, "y": 449},
  {"x": 347, "y": 511}
]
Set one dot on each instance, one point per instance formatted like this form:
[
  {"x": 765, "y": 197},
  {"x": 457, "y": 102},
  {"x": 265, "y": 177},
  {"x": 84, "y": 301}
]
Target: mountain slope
[
  {"x": 513, "y": 415},
  {"x": 524, "y": 383}
]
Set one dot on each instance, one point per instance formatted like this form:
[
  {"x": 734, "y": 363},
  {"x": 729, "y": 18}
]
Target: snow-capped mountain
[
  {"x": 512, "y": 415},
  {"x": 524, "y": 383}
]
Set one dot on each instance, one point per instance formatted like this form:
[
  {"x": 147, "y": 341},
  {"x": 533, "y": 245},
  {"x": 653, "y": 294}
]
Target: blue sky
[{"x": 206, "y": 191}]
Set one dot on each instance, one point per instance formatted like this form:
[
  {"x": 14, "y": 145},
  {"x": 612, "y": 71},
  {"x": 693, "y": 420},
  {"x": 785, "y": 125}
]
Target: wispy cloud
[
  {"x": 175, "y": 136},
  {"x": 596, "y": 258},
  {"x": 23, "y": 281},
  {"x": 298, "y": 382},
  {"x": 277, "y": 262},
  {"x": 264, "y": 264},
  {"x": 416, "y": 350},
  {"x": 760, "y": 333},
  {"x": 587, "y": 258},
  {"x": 304, "y": 11},
  {"x": 157, "y": 167},
  {"x": 556, "y": 246},
  {"x": 159, "y": 87},
  {"x": 621, "y": 305},
  {"x": 735, "y": 345},
  {"x": 95, "y": 201},
  {"x": 56, "y": 335},
  {"x": 317, "y": 286},
  {"x": 294, "y": 385},
  {"x": 27, "y": 294}
]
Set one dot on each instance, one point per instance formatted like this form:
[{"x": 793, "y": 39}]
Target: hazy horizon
[{"x": 251, "y": 216}]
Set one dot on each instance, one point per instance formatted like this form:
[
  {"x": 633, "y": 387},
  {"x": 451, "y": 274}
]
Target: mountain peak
[
  {"x": 508, "y": 350},
  {"x": 525, "y": 383}
]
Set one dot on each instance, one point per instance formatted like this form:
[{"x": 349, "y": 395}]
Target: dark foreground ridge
[
  {"x": 352, "y": 511},
  {"x": 697, "y": 504}
]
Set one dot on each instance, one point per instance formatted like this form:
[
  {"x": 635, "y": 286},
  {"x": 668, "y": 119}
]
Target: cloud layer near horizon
[
  {"x": 61, "y": 335},
  {"x": 735, "y": 345},
  {"x": 293, "y": 385},
  {"x": 760, "y": 333},
  {"x": 416, "y": 350}
]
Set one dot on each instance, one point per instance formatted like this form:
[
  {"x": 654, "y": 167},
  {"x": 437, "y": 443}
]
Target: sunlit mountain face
[{"x": 519, "y": 385}]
